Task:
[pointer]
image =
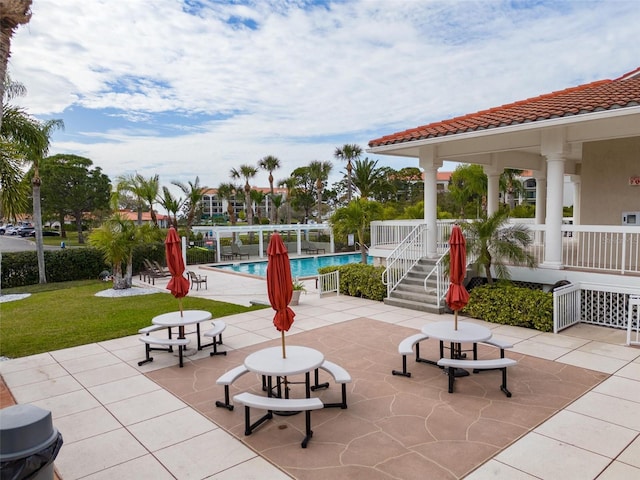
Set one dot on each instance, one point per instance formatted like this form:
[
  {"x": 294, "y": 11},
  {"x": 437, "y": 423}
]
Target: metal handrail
[
  {"x": 404, "y": 257},
  {"x": 440, "y": 279}
]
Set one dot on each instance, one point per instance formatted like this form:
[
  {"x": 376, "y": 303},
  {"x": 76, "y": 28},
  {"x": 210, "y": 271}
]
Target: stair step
[
  {"x": 419, "y": 306},
  {"x": 415, "y": 296}
]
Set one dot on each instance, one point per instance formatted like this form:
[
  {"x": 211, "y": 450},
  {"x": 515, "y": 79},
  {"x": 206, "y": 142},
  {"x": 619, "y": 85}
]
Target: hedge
[
  {"x": 509, "y": 305},
  {"x": 21, "y": 268},
  {"x": 360, "y": 280}
]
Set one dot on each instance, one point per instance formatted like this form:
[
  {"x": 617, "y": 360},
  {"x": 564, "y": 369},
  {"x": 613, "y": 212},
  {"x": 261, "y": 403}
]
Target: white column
[
  {"x": 577, "y": 184},
  {"x": 493, "y": 172},
  {"x": 541, "y": 196},
  {"x": 430, "y": 165},
  {"x": 493, "y": 193},
  {"x": 553, "y": 235}
]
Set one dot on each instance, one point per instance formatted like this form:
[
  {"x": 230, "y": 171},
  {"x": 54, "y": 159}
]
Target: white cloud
[{"x": 354, "y": 71}]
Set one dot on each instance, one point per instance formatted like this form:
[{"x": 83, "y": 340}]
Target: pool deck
[{"x": 117, "y": 423}]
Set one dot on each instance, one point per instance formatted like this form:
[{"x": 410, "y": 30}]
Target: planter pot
[{"x": 295, "y": 298}]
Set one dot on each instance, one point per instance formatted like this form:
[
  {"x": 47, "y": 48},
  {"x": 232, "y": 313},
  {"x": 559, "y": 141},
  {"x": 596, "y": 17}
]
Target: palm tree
[
  {"x": 149, "y": 189},
  {"x": 117, "y": 239},
  {"x": 511, "y": 185},
  {"x": 276, "y": 201},
  {"x": 490, "y": 242},
  {"x": 290, "y": 184},
  {"x": 227, "y": 191},
  {"x": 348, "y": 153},
  {"x": 356, "y": 217},
  {"x": 193, "y": 192},
  {"x": 367, "y": 177},
  {"x": 320, "y": 172},
  {"x": 468, "y": 184},
  {"x": 38, "y": 152},
  {"x": 257, "y": 199},
  {"x": 171, "y": 204},
  {"x": 247, "y": 172},
  {"x": 129, "y": 183},
  {"x": 17, "y": 132},
  {"x": 27, "y": 141},
  {"x": 269, "y": 163},
  {"x": 13, "y": 13}
]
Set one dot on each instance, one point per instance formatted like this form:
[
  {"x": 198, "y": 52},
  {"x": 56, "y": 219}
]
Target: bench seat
[
  {"x": 271, "y": 404},
  {"x": 491, "y": 364},
  {"x": 406, "y": 348},
  {"x": 340, "y": 375},
  {"x": 218, "y": 327},
  {"x": 154, "y": 328},
  {"x": 148, "y": 340},
  {"x": 227, "y": 379}
]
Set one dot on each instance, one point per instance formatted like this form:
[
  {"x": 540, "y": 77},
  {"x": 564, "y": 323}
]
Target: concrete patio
[{"x": 157, "y": 421}]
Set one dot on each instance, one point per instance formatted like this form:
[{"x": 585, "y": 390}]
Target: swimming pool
[{"x": 300, "y": 267}]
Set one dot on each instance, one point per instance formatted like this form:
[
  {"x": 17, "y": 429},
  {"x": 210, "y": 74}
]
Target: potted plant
[{"x": 298, "y": 288}]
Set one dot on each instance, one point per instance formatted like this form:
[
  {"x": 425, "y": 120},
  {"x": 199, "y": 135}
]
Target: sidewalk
[{"x": 117, "y": 423}]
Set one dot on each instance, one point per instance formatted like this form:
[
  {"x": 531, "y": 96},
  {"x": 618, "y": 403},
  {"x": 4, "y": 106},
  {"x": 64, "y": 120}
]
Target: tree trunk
[
  {"x": 129, "y": 273},
  {"x": 79, "y": 227},
  {"x": 349, "y": 181},
  {"x": 37, "y": 221},
  {"x": 363, "y": 251},
  {"x": 63, "y": 232},
  {"x": 487, "y": 271},
  {"x": 119, "y": 282}
]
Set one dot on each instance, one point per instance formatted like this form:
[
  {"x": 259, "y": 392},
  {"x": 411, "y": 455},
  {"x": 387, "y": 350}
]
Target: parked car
[
  {"x": 26, "y": 231},
  {"x": 11, "y": 231},
  {"x": 4, "y": 228},
  {"x": 45, "y": 233}
]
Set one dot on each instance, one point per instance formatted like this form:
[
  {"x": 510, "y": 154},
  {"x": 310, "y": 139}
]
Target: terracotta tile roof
[{"x": 592, "y": 97}]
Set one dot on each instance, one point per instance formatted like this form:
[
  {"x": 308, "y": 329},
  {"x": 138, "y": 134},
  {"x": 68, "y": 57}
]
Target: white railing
[
  {"x": 442, "y": 280},
  {"x": 597, "y": 304},
  {"x": 404, "y": 257},
  {"x": 566, "y": 307},
  {"x": 329, "y": 282},
  {"x": 606, "y": 249},
  {"x": 392, "y": 232}
]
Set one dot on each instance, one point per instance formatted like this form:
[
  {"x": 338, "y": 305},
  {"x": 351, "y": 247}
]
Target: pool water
[{"x": 300, "y": 267}]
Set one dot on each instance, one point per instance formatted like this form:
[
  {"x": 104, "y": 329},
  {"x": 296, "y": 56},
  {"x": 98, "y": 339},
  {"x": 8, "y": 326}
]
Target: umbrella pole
[
  {"x": 455, "y": 317},
  {"x": 180, "y": 304},
  {"x": 284, "y": 353}
]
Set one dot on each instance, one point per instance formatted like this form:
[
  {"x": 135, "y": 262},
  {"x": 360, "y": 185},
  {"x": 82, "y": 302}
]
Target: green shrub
[
  {"x": 21, "y": 268},
  {"x": 200, "y": 255},
  {"x": 360, "y": 280},
  {"x": 86, "y": 263},
  {"x": 509, "y": 305}
]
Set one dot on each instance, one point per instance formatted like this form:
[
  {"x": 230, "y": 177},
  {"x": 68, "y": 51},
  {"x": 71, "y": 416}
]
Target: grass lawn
[{"x": 63, "y": 315}]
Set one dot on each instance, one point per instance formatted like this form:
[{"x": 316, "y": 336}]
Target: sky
[{"x": 194, "y": 88}]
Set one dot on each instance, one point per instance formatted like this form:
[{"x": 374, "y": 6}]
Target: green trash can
[{"x": 29, "y": 443}]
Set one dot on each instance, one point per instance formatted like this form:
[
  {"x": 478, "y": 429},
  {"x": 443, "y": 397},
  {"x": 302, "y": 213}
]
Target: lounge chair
[
  {"x": 237, "y": 252},
  {"x": 161, "y": 270},
  {"x": 311, "y": 248},
  {"x": 226, "y": 253},
  {"x": 197, "y": 280},
  {"x": 152, "y": 272}
]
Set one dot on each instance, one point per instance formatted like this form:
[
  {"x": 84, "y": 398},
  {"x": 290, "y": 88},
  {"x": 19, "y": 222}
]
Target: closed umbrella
[
  {"x": 178, "y": 285},
  {"x": 457, "y": 295},
  {"x": 280, "y": 285}
]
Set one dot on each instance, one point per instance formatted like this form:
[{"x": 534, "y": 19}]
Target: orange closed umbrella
[
  {"x": 178, "y": 285},
  {"x": 280, "y": 285},
  {"x": 457, "y": 296}
]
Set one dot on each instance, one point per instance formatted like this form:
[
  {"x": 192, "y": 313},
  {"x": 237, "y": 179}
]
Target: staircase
[{"x": 410, "y": 292}]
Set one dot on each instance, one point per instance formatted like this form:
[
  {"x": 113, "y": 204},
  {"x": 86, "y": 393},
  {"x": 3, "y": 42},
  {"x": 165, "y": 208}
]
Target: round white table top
[
  {"x": 189, "y": 317},
  {"x": 269, "y": 361},
  {"x": 466, "y": 333}
]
